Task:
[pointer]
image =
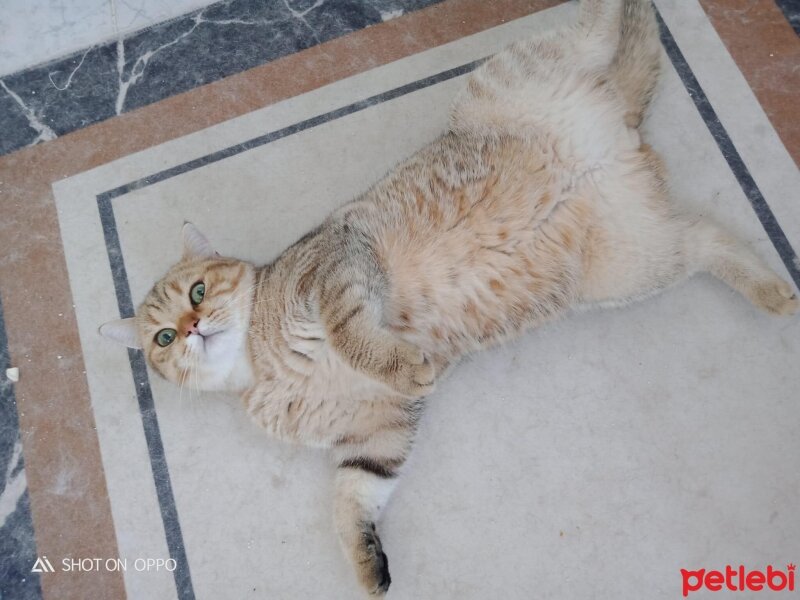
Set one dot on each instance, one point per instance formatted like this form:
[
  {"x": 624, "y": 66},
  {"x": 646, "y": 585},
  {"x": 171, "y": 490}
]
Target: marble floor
[
  {"x": 34, "y": 32},
  {"x": 594, "y": 458}
]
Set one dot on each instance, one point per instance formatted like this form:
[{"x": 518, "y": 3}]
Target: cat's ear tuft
[
  {"x": 195, "y": 244},
  {"x": 122, "y": 331}
]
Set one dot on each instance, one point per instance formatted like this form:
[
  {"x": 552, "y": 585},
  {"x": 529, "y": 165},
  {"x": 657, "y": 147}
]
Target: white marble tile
[
  {"x": 131, "y": 15},
  {"x": 36, "y": 31},
  {"x": 593, "y": 458}
]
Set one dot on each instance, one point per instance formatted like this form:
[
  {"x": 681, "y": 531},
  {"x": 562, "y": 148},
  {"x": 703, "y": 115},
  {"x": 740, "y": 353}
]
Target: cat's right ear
[
  {"x": 122, "y": 331},
  {"x": 195, "y": 244}
]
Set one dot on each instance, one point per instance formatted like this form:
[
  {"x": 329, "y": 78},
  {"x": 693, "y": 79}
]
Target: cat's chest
[{"x": 313, "y": 397}]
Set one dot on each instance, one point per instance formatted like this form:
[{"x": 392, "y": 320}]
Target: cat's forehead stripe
[{"x": 158, "y": 293}]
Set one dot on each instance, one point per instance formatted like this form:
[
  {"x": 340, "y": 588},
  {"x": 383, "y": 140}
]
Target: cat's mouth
[{"x": 205, "y": 341}]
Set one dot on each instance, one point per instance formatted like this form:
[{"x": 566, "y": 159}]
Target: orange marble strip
[
  {"x": 67, "y": 487},
  {"x": 767, "y": 52}
]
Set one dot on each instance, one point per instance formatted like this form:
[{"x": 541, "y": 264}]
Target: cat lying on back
[{"x": 541, "y": 196}]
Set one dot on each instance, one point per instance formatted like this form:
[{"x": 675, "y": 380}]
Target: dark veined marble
[
  {"x": 17, "y": 545},
  {"x": 791, "y": 10},
  {"x": 228, "y": 37}
]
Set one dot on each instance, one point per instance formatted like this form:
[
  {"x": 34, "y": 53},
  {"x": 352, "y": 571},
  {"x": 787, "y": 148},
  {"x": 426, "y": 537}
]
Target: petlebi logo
[
  {"x": 42, "y": 565},
  {"x": 739, "y": 579}
]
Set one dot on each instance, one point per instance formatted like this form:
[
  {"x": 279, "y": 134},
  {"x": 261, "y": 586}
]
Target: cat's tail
[{"x": 620, "y": 38}]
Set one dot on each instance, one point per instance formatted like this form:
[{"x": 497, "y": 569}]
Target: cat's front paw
[
  {"x": 412, "y": 374},
  {"x": 372, "y": 564}
]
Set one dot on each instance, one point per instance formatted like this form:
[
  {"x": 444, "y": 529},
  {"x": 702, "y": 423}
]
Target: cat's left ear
[
  {"x": 195, "y": 244},
  {"x": 122, "y": 331}
]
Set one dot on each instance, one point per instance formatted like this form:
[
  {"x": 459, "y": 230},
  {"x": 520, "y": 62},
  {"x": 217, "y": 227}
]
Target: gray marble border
[{"x": 224, "y": 38}]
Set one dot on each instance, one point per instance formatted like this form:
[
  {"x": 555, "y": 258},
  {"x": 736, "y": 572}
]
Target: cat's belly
[{"x": 474, "y": 286}]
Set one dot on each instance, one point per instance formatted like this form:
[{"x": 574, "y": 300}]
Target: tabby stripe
[
  {"x": 347, "y": 440},
  {"x": 300, "y": 354},
  {"x": 341, "y": 323},
  {"x": 340, "y": 291},
  {"x": 159, "y": 294},
  {"x": 384, "y": 469},
  {"x": 305, "y": 282}
]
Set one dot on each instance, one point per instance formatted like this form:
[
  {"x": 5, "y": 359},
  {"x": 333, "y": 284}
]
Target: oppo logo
[{"x": 739, "y": 580}]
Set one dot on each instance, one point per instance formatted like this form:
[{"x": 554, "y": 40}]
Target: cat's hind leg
[
  {"x": 636, "y": 257},
  {"x": 708, "y": 247}
]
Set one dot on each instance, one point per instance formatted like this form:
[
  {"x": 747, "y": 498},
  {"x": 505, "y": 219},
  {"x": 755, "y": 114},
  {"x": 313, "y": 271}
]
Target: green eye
[
  {"x": 165, "y": 337},
  {"x": 197, "y": 292}
]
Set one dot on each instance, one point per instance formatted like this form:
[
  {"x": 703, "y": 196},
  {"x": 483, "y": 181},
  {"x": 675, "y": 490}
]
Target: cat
[{"x": 540, "y": 197}]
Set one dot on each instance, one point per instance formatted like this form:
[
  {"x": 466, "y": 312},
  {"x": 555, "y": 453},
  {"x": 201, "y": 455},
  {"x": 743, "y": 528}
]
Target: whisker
[
  {"x": 180, "y": 393},
  {"x": 196, "y": 376}
]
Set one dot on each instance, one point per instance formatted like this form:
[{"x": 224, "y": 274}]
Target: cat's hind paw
[{"x": 776, "y": 297}]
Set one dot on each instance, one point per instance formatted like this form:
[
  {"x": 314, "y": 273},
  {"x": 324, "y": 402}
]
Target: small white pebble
[
  {"x": 59, "y": 357},
  {"x": 13, "y": 374}
]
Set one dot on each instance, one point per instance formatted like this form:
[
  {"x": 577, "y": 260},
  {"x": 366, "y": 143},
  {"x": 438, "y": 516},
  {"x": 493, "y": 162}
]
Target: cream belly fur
[{"x": 540, "y": 198}]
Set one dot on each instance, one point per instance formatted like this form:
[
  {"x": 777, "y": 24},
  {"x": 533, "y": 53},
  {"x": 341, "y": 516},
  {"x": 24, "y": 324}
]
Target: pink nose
[{"x": 192, "y": 328}]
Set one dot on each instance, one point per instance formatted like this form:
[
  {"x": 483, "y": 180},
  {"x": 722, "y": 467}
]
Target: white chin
[
  {"x": 220, "y": 345},
  {"x": 220, "y": 356}
]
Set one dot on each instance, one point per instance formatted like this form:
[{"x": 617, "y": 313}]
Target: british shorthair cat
[{"x": 540, "y": 197}]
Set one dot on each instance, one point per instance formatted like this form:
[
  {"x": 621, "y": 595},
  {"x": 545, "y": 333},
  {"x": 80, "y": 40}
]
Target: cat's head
[{"x": 192, "y": 325}]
